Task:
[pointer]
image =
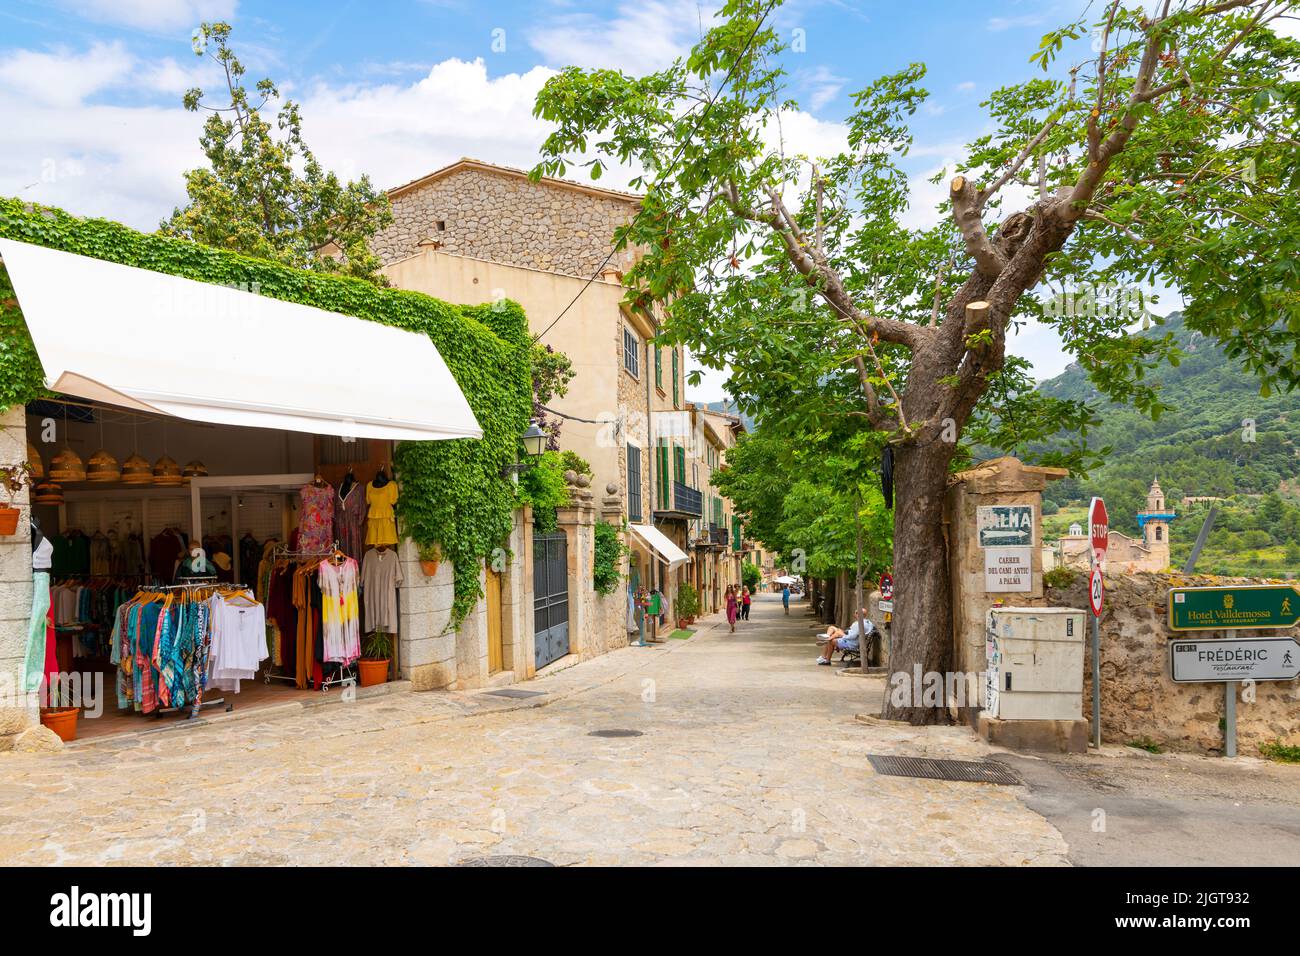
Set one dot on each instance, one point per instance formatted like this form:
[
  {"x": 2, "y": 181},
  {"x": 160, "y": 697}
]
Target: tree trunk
[
  {"x": 921, "y": 631},
  {"x": 828, "y": 605}
]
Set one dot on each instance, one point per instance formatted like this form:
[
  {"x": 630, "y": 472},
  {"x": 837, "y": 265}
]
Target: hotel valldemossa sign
[{"x": 1234, "y": 607}]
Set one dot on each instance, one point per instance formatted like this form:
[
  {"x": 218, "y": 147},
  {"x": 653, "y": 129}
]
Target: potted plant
[
  {"x": 13, "y": 478},
  {"x": 61, "y": 720},
  {"x": 687, "y": 605},
  {"x": 430, "y": 558},
  {"x": 372, "y": 668}
]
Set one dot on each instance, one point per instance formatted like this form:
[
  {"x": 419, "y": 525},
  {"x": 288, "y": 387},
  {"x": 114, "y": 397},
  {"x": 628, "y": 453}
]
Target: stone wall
[
  {"x": 17, "y": 710},
  {"x": 501, "y": 216},
  {"x": 1139, "y": 701}
]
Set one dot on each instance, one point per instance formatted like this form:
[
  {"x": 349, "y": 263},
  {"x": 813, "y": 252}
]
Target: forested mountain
[{"x": 1221, "y": 438}]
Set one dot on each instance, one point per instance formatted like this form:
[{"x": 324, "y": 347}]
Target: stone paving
[{"x": 750, "y": 754}]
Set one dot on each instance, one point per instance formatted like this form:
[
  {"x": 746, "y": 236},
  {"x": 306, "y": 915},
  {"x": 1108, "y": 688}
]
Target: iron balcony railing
[
  {"x": 718, "y": 535},
  {"x": 687, "y": 500}
]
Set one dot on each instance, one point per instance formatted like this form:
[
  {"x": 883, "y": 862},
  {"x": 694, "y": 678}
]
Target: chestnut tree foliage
[{"x": 1148, "y": 142}]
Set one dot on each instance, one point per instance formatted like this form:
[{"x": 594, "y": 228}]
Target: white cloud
[
  {"x": 966, "y": 87},
  {"x": 999, "y": 24},
  {"x": 153, "y": 14},
  {"x": 640, "y": 38},
  {"x": 821, "y": 84},
  {"x": 63, "y": 78}
]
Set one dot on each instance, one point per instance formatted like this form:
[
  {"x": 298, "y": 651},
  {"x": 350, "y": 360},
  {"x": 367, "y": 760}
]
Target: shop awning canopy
[
  {"x": 159, "y": 343},
  {"x": 659, "y": 543}
]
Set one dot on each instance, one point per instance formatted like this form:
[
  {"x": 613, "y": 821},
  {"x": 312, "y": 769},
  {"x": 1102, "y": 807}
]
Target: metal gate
[{"x": 550, "y": 596}]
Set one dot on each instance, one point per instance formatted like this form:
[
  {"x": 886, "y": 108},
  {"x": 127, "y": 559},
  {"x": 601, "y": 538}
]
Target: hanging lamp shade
[
  {"x": 103, "y": 467},
  {"x": 47, "y": 493},
  {"x": 35, "y": 464},
  {"x": 195, "y": 469},
  {"x": 167, "y": 472},
  {"x": 136, "y": 470},
  {"x": 67, "y": 466}
]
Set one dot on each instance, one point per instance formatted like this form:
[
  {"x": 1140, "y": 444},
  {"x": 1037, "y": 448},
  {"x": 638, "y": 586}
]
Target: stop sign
[{"x": 1098, "y": 529}]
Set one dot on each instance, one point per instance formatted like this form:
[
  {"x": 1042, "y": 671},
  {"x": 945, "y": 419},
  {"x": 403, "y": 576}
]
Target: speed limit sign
[{"x": 1096, "y": 591}]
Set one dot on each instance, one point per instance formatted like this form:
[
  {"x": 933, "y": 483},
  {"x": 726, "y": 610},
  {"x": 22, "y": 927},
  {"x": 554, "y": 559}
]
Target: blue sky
[{"x": 90, "y": 89}]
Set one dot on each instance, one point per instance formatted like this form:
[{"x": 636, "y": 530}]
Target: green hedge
[{"x": 453, "y": 495}]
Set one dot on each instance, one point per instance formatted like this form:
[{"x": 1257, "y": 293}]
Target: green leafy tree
[
  {"x": 263, "y": 192},
  {"x": 750, "y": 575},
  {"x": 1167, "y": 148}
]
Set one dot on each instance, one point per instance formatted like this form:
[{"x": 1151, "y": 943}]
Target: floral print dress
[{"x": 316, "y": 518}]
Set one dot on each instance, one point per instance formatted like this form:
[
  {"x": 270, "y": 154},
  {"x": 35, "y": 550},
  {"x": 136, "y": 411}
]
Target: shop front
[{"x": 210, "y": 518}]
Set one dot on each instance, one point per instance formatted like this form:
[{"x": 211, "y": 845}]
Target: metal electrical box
[{"x": 1035, "y": 663}]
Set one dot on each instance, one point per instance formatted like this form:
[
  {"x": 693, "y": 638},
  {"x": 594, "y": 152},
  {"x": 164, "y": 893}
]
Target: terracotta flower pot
[
  {"x": 430, "y": 568},
  {"x": 372, "y": 671},
  {"x": 9, "y": 520},
  {"x": 61, "y": 720}
]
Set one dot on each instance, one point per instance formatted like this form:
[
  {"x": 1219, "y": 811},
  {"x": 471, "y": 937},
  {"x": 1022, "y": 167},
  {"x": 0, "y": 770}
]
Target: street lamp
[{"x": 534, "y": 440}]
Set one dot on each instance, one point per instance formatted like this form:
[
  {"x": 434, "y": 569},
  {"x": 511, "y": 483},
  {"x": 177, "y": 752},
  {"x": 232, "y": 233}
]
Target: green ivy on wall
[
  {"x": 453, "y": 495},
  {"x": 608, "y": 558}
]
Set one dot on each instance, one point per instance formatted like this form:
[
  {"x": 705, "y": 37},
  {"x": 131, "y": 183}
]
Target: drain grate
[
  {"x": 616, "y": 732},
  {"x": 511, "y": 692},
  {"x": 960, "y": 771},
  {"x": 504, "y": 861}
]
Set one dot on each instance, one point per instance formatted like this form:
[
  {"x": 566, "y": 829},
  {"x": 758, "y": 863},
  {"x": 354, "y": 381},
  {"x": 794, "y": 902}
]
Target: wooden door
[{"x": 496, "y": 650}]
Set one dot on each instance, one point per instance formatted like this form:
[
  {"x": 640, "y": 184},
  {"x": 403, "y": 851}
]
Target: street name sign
[
  {"x": 1005, "y": 526},
  {"x": 1231, "y": 608},
  {"x": 1213, "y": 660}
]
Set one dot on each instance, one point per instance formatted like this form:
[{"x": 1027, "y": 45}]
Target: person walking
[
  {"x": 745, "y": 598},
  {"x": 733, "y": 607},
  {"x": 785, "y": 597}
]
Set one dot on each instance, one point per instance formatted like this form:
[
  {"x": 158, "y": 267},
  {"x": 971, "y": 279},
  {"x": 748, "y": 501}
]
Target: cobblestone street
[{"x": 750, "y": 754}]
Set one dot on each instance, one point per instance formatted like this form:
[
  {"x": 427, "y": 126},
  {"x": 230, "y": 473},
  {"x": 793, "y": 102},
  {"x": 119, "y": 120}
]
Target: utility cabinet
[{"x": 1035, "y": 663}]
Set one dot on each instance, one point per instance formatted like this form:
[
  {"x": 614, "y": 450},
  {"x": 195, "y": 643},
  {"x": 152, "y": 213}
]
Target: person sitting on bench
[{"x": 847, "y": 641}]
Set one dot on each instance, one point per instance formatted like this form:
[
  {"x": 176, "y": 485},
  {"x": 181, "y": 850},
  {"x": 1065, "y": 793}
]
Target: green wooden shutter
[
  {"x": 659, "y": 367},
  {"x": 680, "y": 455},
  {"x": 676, "y": 376}
]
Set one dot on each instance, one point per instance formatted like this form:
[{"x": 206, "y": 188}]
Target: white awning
[
  {"x": 659, "y": 543},
  {"x": 159, "y": 343}
]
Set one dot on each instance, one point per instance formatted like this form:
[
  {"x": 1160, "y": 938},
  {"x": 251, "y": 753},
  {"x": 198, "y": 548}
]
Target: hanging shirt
[
  {"x": 350, "y": 520},
  {"x": 381, "y": 574}
]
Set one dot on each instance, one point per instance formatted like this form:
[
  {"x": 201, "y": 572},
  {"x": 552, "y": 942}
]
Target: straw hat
[
  {"x": 103, "y": 467},
  {"x": 67, "y": 466},
  {"x": 47, "y": 493},
  {"x": 136, "y": 470},
  {"x": 167, "y": 472},
  {"x": 34, "y": 462}
]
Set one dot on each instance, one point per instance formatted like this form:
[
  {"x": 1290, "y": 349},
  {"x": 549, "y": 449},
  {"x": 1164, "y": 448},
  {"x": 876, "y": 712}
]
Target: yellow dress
[{"x": 381, "y": 528}]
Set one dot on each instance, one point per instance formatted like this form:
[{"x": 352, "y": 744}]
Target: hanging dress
[
  {"x": 340, "y": 614},
  {"x": 381, "y": 526},
  {"x": 350, "y": 520},
  {"x": 316, "y": 518}
]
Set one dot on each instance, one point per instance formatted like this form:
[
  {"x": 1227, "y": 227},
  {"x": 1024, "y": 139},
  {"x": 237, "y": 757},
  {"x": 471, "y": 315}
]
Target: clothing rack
[
  {"x": 347, "y": 673},
  {"x": 207, "y": 581}
]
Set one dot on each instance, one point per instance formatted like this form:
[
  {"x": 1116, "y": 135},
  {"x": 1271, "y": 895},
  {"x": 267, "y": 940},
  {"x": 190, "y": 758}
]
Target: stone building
[
  {"x": 474, "y": 232},
  {"x": 1124, "y": 553}
]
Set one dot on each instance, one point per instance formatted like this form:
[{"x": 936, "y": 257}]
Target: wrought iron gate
[{"x": 550, "y": 596}]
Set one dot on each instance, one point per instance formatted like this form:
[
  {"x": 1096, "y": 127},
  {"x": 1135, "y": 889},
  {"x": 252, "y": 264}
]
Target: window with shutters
[
  {"x": 679, "y": 463},
  {"x": 676, "y": 380},
  {"x": 659, "y": 368},
  {"x": 633, "y": 483},
  {"x": 631, "y": 352}
]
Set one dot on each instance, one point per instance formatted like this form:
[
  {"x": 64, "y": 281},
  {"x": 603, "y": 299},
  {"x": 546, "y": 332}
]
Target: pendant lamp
[
  {"x": 35, "y": 464},
  {"x": 103, "y": 466},
  {"x": 136, "y": 470}
]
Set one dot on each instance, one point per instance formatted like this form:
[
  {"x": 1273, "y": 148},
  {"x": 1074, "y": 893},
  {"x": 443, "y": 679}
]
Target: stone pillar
[
  {"x": 518, "y": 646},
  {"x": 426, "y": 651},
  {"x": 1003, "y": 481},
  {"x": 471, "y": 641},
  {"x": 577, "y": 521},
  {"x": 611, "y": 609},
  {"x": 18, "y": 710}
]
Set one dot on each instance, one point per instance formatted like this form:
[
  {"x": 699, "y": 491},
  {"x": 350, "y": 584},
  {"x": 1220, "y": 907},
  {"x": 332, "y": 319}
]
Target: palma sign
[{"x": 1232, "y": 608}]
